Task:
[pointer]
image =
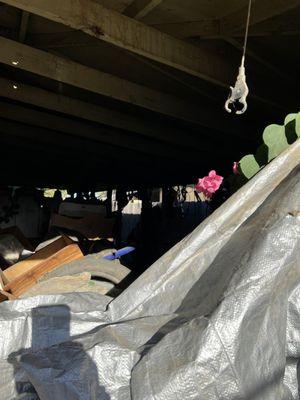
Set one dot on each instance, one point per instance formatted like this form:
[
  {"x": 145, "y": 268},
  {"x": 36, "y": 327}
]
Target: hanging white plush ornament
[{"x": 240, "y": 91}]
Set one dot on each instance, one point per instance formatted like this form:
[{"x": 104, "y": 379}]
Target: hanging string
[{"x": 247, "y": 32}]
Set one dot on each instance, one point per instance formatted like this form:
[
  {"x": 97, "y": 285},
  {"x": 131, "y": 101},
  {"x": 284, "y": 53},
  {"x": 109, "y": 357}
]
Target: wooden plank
[
  {"x": 138, "y": 9},
  {"x": 200, "y": 116},
  {"x": 120, "y": 139},
  {"x": 231, "y": 25},
  {"x": 21, "y": 267},
  {"x": 117, "y": 5},
  {"x": 126, "y": 33},
  {"x": 176, "y": 78},
  {"x": 78, "y": 144},
  {"x": 98, "y": 158},
  {"x": 286, "y": 24},
  {"x": 57, "y": 68},
  {"x": 23, "y": 26},
  {"x": 63, "y": 70},
  {"x": 252, "y": 54},
  {"x": 212, "y": 30},
  {"x": 183, "y": 30},
  {"x": 96, "y": 113},
  {"x": 261, "y": 11},
  {"x": 28, "y": 279},
  {"x": 88, "y": 111}
]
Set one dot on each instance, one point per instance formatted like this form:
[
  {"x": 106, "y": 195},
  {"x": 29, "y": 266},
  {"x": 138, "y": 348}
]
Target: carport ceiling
[{"x": 122, "y": 91}]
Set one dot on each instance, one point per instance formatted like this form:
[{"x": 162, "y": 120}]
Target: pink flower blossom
[
  {"x": 209, "y": 184},
  {"x": 235, "y": 168}
]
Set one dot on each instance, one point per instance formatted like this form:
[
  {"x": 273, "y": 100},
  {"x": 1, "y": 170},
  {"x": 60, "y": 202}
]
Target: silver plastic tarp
[{"x": 217, "y": 317}]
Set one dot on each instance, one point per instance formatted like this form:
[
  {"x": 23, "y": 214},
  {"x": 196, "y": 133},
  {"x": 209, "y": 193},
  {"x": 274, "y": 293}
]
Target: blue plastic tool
[{"x": 119, "y": 253}]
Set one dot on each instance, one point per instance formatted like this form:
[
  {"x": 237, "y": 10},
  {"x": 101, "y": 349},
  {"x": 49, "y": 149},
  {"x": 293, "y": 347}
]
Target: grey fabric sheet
[{"x": 217, "y": 317}]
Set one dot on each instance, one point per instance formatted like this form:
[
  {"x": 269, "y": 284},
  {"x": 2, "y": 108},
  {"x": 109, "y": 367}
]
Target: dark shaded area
[{"x": 50, "y": 326}]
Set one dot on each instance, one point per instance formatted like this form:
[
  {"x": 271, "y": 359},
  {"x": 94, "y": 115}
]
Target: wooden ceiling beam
[
  {"x": 207, "y": 31},
  {"x": 83, "y": 152},
  {"x": 253, "y": 54},
  {"x": 88, "y": 149},
  {"x": 54, "y": 151},
  {"x": 96, "y": 134},
  {"x": 26, "y": 58},
  {"x": 261, "y": 11},
  {"x": 121, "y": 31},
  {"x": 210, "y": 29},
  {"x": 287, "y": 24},
  {"x": 159, "y": 131},
  {"x": 87, "y": 111},
  {"x": 23, "y": 26},
  {"x": 233, "y": 24},
  {"x": 138, "y": 9},
  {"x": 66, "y": 71}
]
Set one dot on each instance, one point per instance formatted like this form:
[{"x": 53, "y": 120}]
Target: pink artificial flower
[
  {"x": 235, "y": 168},
  {"x": 209, "y": 184}
]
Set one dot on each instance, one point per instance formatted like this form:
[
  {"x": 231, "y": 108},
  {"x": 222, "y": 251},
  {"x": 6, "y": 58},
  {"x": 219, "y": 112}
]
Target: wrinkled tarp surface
[{"x": 217, "y": 317}]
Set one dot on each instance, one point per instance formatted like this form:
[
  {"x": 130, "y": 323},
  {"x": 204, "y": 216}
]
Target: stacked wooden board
[{"x": 21, "y": 276}]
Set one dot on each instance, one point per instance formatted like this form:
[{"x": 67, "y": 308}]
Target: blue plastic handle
[{"x": 119, "y": 253}]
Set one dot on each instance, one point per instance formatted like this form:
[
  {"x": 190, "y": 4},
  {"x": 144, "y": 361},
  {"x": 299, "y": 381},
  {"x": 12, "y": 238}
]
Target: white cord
[{"x": 247, "y": 32}]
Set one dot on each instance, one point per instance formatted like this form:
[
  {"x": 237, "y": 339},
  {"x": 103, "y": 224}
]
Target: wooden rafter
[
  {"x": 63, "y": 70},
  {"x": 23, "y": 26},
  {"x": 252, "y": 54},
  {"x": 203, "y": 28},
  {"x": 157, "y": 131},
  {"x": 233, "y": 24},
  {"x": 112, "y": 27},
  {"x": 261, "y": 11},
  {"x": 94, "y": 149},
  {"x": 90, "y": 112},
  {"x": 126, "y": 33},
  {"x": 287, "y": 24},
  {"x": 78, "y": 129},
  {"x": 138, "y": 9}
]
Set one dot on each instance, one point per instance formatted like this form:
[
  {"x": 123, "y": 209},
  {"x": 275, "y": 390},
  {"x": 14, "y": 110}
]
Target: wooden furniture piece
[{"x": 23, "y": 275}]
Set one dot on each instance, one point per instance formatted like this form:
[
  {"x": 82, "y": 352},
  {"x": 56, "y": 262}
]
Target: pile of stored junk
[
  {"x": 71, "y": 257},
  {"x": 77, "y": 245},
  {"x": 55, "y": 266},
  {"x": 216, "y": 317}
]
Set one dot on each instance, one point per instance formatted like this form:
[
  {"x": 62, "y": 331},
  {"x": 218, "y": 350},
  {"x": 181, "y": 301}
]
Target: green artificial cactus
[
  {"x": 292, "y": 127},
  {"x": 249, "y": 166},
  {"x": 276, "y": 138}
]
